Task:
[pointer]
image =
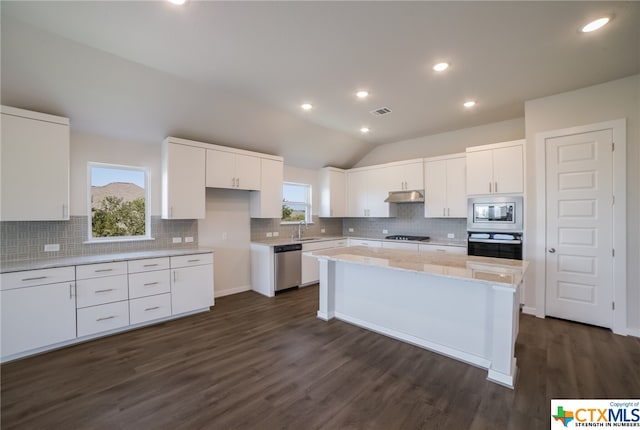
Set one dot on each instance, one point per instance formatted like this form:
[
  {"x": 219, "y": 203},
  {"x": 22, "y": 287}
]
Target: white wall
[
  {"x": 445, "y": 143},
  {"x": 227, "y": 229},
  {"x": 612, "y": 100},
  {"x": 88, "y": 147}
]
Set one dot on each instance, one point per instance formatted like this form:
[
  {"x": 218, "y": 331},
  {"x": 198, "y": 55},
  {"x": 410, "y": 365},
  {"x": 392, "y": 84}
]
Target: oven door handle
[{"x": 514, "y": 242}]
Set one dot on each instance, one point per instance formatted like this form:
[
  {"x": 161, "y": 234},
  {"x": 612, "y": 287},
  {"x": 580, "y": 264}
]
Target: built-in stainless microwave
[{"x": 495, "y": 214}]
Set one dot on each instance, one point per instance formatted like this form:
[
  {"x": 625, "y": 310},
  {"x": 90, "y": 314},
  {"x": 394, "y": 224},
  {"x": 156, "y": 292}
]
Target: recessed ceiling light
[
  {"x": 306, "y": 106},
  {"x": 364, "y": 130},
  {"x": 362, "y": 94},
  {"x": 441, "y": 67},
  {"x": 595, "y": 25},
  {"x": 177, "y": 2},
  {"x": 469, "y": 104}
]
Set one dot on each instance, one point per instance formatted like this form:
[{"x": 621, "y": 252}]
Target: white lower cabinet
[
  {"x": 37, "y": 316},
  {"x": 191, "y": 283},
  {"x": 310, "y": 267},
  {"x": 96, "y": 319},
  {"x": 149, "y": 308}
]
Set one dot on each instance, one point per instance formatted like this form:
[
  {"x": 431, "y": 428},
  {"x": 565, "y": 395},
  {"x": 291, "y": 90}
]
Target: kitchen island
[{"x": 464, "y": 307}]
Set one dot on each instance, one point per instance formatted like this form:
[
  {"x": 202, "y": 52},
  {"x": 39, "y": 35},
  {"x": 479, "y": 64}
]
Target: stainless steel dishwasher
[{"x": 288, "y": 265}]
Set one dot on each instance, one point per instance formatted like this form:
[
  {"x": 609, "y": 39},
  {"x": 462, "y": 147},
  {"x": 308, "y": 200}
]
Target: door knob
[{"x": 552, "y": 250}]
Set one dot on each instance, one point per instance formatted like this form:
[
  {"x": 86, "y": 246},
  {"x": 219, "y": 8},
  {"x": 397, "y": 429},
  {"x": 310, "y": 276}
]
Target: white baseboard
[
  {"x": 235, "y": 290},
  {"x": 633, "y": 331},
  {"x": 529, "y": 310}
]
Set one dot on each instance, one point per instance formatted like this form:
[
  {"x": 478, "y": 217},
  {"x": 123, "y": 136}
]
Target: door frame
[{"x": 619, "y": 132}]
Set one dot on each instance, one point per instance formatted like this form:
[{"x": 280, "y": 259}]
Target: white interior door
[{"x": 579, "y": 236}]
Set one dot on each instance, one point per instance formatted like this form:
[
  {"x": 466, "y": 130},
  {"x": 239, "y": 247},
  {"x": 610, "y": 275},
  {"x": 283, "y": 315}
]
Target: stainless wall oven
[{"x": 494, "y": 227}]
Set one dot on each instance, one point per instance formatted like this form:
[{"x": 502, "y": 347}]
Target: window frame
[
  {"x": 147, "y": 204},
  {"x": 308, "y": 204}
]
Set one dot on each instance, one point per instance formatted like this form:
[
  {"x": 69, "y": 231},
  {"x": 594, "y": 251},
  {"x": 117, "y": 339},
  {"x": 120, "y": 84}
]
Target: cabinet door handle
[
  {"x": 489, "y": 186},
  {"x": 152, "y": 309},
  {"x": 174, "y": 276},
  {"x": 70, "y": 291},
  {"x": 148, "y": 284},
  {"x": 171, "y": 212},
  {"x": 104, "y": 291},
  {"x": 36, "y": 278},
  {"x": 443, "y": 211},
  {"x": 193, "y": 261},
  {"x": 238, "y": 182},
  {"x": 448, "y": 211},
  {"x": 150, "y": 265},
  {"x": 106, "y": 318},
  {"x": 103, "y": 270},
  {"x": 496, "y": 187},
  {"x": 64, "y": 211}
]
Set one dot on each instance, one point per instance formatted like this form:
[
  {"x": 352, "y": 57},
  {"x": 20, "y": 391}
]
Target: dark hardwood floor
[{"x": 259, "y": 363}]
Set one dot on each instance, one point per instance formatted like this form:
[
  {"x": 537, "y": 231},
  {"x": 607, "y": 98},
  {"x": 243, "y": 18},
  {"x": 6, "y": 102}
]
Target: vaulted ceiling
[{"x": 235, "y": 73}]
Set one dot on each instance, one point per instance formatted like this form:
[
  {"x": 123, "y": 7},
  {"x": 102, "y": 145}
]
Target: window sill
[{"x": 118, "y": 239}]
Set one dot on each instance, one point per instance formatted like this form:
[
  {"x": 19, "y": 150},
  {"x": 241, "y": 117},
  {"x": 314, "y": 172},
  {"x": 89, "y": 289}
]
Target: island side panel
[
  {"x": 450, "y": 316},
  {"x": 503, "y": 369},
  {"x": 327, "y": 289}
]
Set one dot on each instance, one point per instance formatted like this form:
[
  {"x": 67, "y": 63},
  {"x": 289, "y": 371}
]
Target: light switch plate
[
  {"x": 322, "y": 230},
  {"x": 451, "y": 235},
  {"x": 385, "y": 231},
  {"x": 188, "y": 239},
  {"x": 350, "y": 230},
  {"x": 269, "y": 234},
  {"x": 177, "y": 240},
  {"x": 276, "y": 234},
  {"x": 52, "y": 247}
]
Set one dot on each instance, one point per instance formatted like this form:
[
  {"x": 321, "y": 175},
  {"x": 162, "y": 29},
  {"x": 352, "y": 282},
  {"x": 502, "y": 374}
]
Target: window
[
  {"x": 296, "y": 203},
  {"x": 118, "y": 198}
]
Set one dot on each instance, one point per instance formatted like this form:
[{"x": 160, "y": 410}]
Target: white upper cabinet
[
  {"x": 333, "y": 192},
  {"x": 407, "y": 175},
  {"x": 35, "y": 166},
  {"x": 232, "y": 170},
  {"x": 445, "y": 187},
  {"x": 267, "y": 203},
  {"x": 183, "y": 180},
  {"x": 495, "y": 169},
  {"x": 366, "y": 191}
]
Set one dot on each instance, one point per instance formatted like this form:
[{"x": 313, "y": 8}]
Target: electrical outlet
[
  {"x": 177, "y": 240},
  {"x": 188, "y": 239},
  {"x": 322, "y": 230},
  {"x": 385, "y": 231},
  {"x": 224, "y": 236},
  {"x": 269, "y": 234},
  {"x": 350, "y": 230},
  {"x": 52, "y": 247},
  {"x": 451, "y": 235},
  {"x": 276, "y": 233}
]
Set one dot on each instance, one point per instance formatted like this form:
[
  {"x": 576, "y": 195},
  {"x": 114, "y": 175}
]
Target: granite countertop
[
  {"x": 482, "y": 269},
  {"x": 286, "y": 241},
  {"x": 17, "y": 266}
]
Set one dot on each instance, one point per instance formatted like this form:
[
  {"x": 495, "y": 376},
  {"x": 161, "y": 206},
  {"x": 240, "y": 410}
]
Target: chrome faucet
[{"x": 300, "y": 228}]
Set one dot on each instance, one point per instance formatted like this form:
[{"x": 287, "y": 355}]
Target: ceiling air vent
[{"x": 380, "y": 111}]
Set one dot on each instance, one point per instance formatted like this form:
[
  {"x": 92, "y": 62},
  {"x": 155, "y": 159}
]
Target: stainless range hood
[{"x": 414, "y": 196}]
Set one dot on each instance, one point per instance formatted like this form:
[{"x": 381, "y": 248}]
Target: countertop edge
[
  {"x": 23, "y": 265},
  {"x": 325, "y": 239}
]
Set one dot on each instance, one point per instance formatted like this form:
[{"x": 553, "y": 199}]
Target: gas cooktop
[{"x": 405, "y": 237}]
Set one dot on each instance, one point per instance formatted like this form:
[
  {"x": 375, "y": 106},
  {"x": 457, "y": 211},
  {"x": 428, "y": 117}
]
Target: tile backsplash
[
  {"x": 25, "y": 240},
  {"x": 410, "y": 220},
  {"x": 261, "y": 226}
]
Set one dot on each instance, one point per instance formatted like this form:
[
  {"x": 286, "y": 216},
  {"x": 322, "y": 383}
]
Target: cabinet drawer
[
  {"x": 365, "y": 242},
  {"x": 29, "y": 278},
  {"x": 102, "y": 269},
  {"x": 149, "y": 283},
  {"x": 149, "y": 308},
  {"x": 98, "y": 291},
  {"x": 102, "y": 318},
  {"x": 443, "y": 248},
  {"x": 191, "y": 260},
  {"x": 147, "y": 265},
  {"x": 314, "y": 246}
]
